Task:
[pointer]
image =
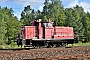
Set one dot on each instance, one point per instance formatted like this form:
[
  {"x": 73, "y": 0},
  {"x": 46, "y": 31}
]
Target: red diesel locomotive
[{"x": 43, "y": 33}]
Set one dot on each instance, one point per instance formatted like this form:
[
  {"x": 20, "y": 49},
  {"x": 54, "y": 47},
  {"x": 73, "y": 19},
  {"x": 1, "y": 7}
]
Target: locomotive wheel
[
  {"x": 37, "y": 46},
  {"x": 63, "y": 44},
  {"x": 54, "y": 45},
  {"x": 47, "y": 45}
]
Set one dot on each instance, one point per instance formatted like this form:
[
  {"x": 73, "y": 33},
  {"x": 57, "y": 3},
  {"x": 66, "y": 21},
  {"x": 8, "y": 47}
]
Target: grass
[
  {"x": 7, "y": 46},
  {"x": 80, "y": 44},
  {"x": 12, "y": 45}
]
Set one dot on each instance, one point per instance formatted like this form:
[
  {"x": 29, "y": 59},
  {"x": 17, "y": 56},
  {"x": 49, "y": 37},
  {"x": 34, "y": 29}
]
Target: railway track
[
  {"x": 69, "y": 57},
  {"x": 46, "y": 53},
  {"x": 15, "y": 49}
]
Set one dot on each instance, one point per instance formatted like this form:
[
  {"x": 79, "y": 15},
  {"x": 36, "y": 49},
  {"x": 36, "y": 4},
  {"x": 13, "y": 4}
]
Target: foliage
[
  {"x": 75, "y": 17},
  {"x": 9, "y": 25},
  {"x": 54, "y": 9},
  {"x": 13, "y": 44},
  {"x": 1, "y": 47},
  {"x": 27, "y": 15},
  {"x": 80, "y": 44}
]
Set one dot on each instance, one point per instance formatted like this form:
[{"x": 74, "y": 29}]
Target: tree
[
  {"x": 27, "y": 15},
  {"x": 45, "y": 8},
  {"x": 9, "y": 25},
  {"x": 88, "y": 23},
  {"x": 54, "y": 10},
  {"x": 75, "y": 17},
  {"x": 38, "y": 15},
  {"x": 2, "y": 28}
]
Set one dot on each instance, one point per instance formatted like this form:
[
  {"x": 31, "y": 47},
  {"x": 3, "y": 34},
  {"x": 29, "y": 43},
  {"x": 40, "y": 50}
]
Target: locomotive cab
[
  {"x": 42, "y": 23},
  {"x": 40, "y": 27}
]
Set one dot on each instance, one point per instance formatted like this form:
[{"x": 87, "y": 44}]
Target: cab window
[{"x": 48, "y": 25}]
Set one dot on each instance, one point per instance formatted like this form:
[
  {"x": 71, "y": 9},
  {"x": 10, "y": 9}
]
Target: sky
[{"x": 18, "y": 5}]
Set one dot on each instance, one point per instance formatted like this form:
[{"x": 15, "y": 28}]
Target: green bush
[
  {"x": 13, "y": 44},
  {"x": 2, "y": 42},
  {"x": 1, "y": 47}
]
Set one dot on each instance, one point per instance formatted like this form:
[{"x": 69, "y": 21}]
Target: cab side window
[{"x": 48, "y": 25}]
